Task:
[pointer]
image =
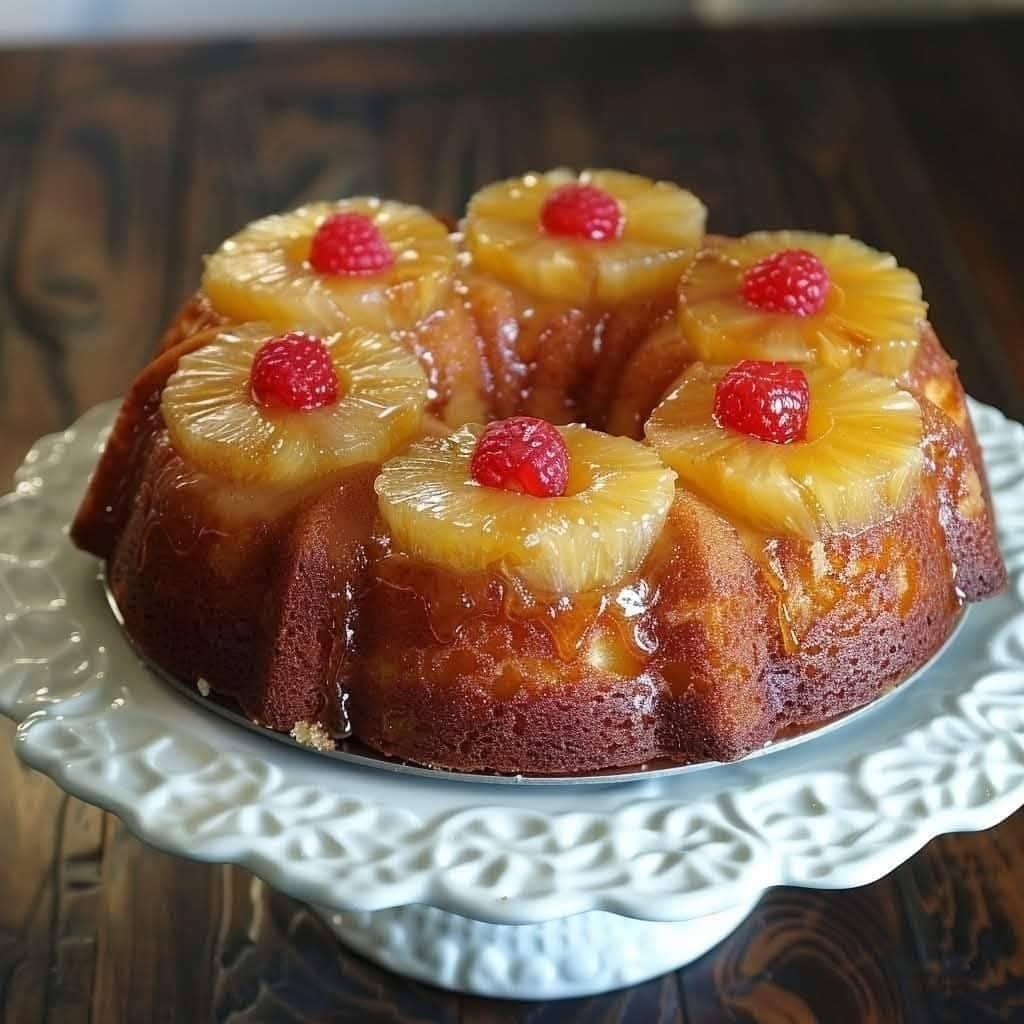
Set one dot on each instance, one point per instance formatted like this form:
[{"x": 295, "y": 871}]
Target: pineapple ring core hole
[
  {"x": 277, "y": 414},
  {"x": 835, "y": 297},
  {"x": 297, "y": 251},
  {"x": 581, "y": 478},
  {"x": 583, "y": 474}
]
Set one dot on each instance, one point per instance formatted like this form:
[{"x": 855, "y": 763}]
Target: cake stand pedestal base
[{"x": 574, "y": 956}]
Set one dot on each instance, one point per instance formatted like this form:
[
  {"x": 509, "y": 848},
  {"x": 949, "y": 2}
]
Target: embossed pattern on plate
[{"x": 944, "y": 754}]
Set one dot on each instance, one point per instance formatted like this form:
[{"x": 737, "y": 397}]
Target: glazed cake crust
[
  {"x": 736, "y": 645},
  {"x": 296, "y": 603},
  {"x": 254, "y": 596},
  {"x": 723, "y": 648}
]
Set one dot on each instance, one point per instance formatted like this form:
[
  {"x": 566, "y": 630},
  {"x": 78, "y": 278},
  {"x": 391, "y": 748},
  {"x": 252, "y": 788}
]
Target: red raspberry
[
  {"x": 522, "y": 454},
  {"x": 293, "y": 371},
  {"x": 349, "y": 244},
  {"x": 789, "y": 281},
  {"x": 582, "y": 211},
  {"x": 765, "y": 400}
]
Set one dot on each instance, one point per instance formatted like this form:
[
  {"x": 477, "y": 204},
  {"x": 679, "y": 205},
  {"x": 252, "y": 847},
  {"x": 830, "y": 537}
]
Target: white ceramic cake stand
[{"x": 524, "y": 891}]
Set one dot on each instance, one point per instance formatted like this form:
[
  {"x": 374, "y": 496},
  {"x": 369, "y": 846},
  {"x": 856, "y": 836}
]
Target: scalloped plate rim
[{"x": 763, "y": 862}]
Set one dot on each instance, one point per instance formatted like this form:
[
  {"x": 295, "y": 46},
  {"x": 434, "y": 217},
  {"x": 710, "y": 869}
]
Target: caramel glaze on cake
[
  {"x": 561, "y": 364},
  {"x": 297, "y": 604},
  {"x": 718, "y": 642},
  {"x": 247, "y": 588},
  {"x": 264, "y": 609}
]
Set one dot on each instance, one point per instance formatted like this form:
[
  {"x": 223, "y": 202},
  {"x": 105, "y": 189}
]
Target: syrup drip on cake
[
  {"x": 811, "y": 466},
  {"x": 452, "y": 601},
  {"x": 524, "y": 497}
]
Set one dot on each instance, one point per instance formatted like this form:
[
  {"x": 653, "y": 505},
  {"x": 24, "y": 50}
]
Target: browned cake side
[
  {"x": 249, "y": 590},
  {"x": 448, "y": 349},
  {"x": 735, "y": 638},
  {"x": 934, "y": 376},
  {"x": 718, "y": 642},
  {"x": 114, "y": 485},
  {"x": 476, "y": 673},
  {"x": 860, "y": 615}
]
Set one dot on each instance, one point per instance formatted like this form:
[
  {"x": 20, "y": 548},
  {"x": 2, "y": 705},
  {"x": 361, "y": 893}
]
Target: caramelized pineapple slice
[
  {"x": 264, "y": 274},
  {"x": 216, "y": 423},
  {"x": 861, "y": 460},
  {"x": 661, "y": 227},
  {"x": 872, "y": 315},
  {"x": 612, "y": 511}
]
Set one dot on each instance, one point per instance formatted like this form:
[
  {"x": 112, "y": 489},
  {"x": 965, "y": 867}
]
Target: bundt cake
[{"x": 573, "y": 488}]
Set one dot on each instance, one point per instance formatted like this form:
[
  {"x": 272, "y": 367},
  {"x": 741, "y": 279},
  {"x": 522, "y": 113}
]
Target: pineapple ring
[
  {"x": 663, "y": 225},
  {"x": 263, "y": 272},
  {"x": 214, "y": 421},
  {"x": 861, "y": 461},
  {"x": 617, "y": 498},
  {"x": 872, "y": 316}
]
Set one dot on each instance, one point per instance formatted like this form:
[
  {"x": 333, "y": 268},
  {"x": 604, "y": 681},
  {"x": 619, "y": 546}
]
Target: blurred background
[{"x": 113, "y": 19}]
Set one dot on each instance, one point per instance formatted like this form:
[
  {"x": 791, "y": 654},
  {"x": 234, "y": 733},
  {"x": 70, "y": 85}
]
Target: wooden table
[{"x": 120, "y": 167}]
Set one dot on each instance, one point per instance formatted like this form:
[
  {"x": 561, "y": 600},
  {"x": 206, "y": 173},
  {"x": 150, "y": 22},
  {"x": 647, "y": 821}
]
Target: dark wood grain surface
[{"x": 120, "y": 167}]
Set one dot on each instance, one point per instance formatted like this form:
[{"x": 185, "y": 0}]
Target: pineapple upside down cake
[{"x": 575, "y": 487}]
